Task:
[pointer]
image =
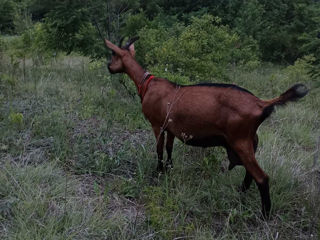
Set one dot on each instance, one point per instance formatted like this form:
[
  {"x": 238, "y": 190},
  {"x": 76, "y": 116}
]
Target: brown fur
[{"x": 204, "y": 115}]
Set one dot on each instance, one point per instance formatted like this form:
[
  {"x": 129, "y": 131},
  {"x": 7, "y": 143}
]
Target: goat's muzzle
[{"x": 112, "y": 72}]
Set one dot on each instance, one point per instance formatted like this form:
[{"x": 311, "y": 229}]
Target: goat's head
[{"x": 120, "y": 54}]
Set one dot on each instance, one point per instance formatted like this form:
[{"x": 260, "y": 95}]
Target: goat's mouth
[{"x": 110, "y": 70}]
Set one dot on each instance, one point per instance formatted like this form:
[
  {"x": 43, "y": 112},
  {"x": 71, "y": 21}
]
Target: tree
[
  {"x": 7, "y": 13},
  {"x": 71, "y": 24}
]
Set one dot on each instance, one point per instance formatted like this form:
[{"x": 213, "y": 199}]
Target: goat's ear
[
  {"x": 131, "y": 50},
  {"x": 113, "y": 47}
]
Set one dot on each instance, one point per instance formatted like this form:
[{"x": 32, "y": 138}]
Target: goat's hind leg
[
  {"x": 245, "y": 150},
  {"x": 248, "y": 178},
  {"x": 234, "y": 161}
]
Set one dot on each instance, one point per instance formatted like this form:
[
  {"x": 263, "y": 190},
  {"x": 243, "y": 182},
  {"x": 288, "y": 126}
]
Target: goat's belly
[{"x": 205, "y": 141}]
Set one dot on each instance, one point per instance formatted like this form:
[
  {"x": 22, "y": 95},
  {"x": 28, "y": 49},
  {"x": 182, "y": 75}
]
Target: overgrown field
[{"x": 77, "y": 161}]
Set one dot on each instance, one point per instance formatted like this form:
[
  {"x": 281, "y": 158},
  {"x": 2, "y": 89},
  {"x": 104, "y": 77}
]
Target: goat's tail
[{"x": 292, "y": 94}]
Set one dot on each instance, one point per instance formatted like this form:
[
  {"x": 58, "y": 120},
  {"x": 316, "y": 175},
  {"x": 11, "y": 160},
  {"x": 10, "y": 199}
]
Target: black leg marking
[{"x": 169, "y": 147}]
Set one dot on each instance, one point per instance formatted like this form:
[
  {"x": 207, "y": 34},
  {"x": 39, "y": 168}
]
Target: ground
[{"x": 78, "y": 162}]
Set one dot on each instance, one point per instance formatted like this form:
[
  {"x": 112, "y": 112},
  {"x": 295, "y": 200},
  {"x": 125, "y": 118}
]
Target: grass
[{"x": 78, "y": 162}]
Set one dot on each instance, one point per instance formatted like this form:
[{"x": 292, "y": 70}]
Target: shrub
[
  {"x": 7, "y": 81},
  {"x": 199, "y": 51},
  {"x": 300, "y": 71}
]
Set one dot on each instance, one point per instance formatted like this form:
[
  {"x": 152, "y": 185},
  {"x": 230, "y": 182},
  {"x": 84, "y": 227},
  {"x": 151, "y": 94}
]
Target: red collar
[{"x": 143, "y": 86}]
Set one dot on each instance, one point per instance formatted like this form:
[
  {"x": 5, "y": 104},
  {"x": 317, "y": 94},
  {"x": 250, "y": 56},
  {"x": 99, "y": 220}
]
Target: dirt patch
[
  {"x": 95, "y": 128},
  {"x": 116, "y": 206},
  {"x": 25, "y": 150}
]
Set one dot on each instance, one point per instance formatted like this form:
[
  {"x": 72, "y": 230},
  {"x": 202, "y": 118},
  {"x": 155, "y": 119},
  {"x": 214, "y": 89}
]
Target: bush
[
  {"x": 300, "y": 71},
  {"x": 2, "y": 46},
  {"x": 200, "y": 51},
  {"x": 32, "y": 43},
  {"x": 16, "y": 118},
  {"x": 7, "y": 81},
  {"x": 7, "y": 10}
]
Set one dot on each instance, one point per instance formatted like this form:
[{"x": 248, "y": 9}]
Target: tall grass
[{"x": 78, "y": 162}]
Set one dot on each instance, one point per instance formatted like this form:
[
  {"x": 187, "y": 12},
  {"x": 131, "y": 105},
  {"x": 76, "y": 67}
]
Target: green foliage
[
  {"x": 278, "y": 25},
  {"x": 311, "y": 45},
  {"x": 162, "y": 210},
  {"x": 275, "y": 25},
  {"x": 22, "y": 20},
  {"x": 250, "y": 18},
  {"x": 302, "y": 70},
  {"x": 200, "y": 51},
  {"x": 18, "y": 49},
  {"x": 64, "y": 24},
  {"x": 32, "y": 43},
  {"x": 86, "y": 42},
  {"x": 7, "y": 82},
  {"x": 39, "y": 40},
  {"x": 283, "y": 30},
  {"x": 16, "y": 118},
  {"x": 7, "y": 13},
  {"x": 2, "y": 46},
  {"x": 134, "y": 23},
  {"x": 70, "y": 25}
]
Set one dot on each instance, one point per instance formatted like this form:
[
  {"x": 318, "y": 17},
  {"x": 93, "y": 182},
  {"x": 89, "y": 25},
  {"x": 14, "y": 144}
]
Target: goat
[{"x": 203, "y": 115}]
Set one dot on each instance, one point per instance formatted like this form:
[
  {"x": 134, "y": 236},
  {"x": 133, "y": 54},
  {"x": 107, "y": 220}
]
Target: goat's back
[{"x": 202, "y": 110}]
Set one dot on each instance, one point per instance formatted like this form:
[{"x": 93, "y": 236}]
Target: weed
[{"x": 16, "y": 118}]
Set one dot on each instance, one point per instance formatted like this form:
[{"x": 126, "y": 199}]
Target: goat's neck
[{"x": 134, "y": 71}]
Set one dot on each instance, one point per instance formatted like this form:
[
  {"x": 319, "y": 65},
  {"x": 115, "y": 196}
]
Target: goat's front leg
[
  {"x": 169, "y": 147},
  {"x": 160, "y": 142}
]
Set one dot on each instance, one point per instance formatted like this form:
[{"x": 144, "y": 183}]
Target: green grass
[{"x": 77, "y": 161}]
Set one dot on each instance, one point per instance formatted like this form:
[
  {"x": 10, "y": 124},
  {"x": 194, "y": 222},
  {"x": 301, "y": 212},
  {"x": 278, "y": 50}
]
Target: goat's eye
[{"x": 113, "y": 53}]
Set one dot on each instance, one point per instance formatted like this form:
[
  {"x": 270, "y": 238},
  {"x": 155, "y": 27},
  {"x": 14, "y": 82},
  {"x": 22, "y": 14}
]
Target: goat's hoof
[
  {"x": 168, "y": 167},
  {"x": 160, "y": 169}
]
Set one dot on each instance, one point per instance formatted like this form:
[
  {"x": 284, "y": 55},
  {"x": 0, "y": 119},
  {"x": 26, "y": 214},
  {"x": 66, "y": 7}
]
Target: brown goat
[{"x": 203, "y": 115}]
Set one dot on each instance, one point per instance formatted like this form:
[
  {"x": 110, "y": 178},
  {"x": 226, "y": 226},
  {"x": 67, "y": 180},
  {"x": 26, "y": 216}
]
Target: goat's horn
[
  {"x": 132, "y": 40},
  {"x": 120, "y": 42}
]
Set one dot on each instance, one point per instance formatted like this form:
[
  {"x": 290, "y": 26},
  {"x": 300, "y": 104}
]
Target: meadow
[{"x": 77, "y": 161}]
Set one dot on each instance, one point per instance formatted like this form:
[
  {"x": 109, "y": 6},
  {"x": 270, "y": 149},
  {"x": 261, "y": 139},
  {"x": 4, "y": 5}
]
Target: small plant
[
  {"x": 7, "y": 81},
  {"x": 16, "y": 118},
  {"x": 162, "y": 210},
  {"x": 300, "y": 71}
]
